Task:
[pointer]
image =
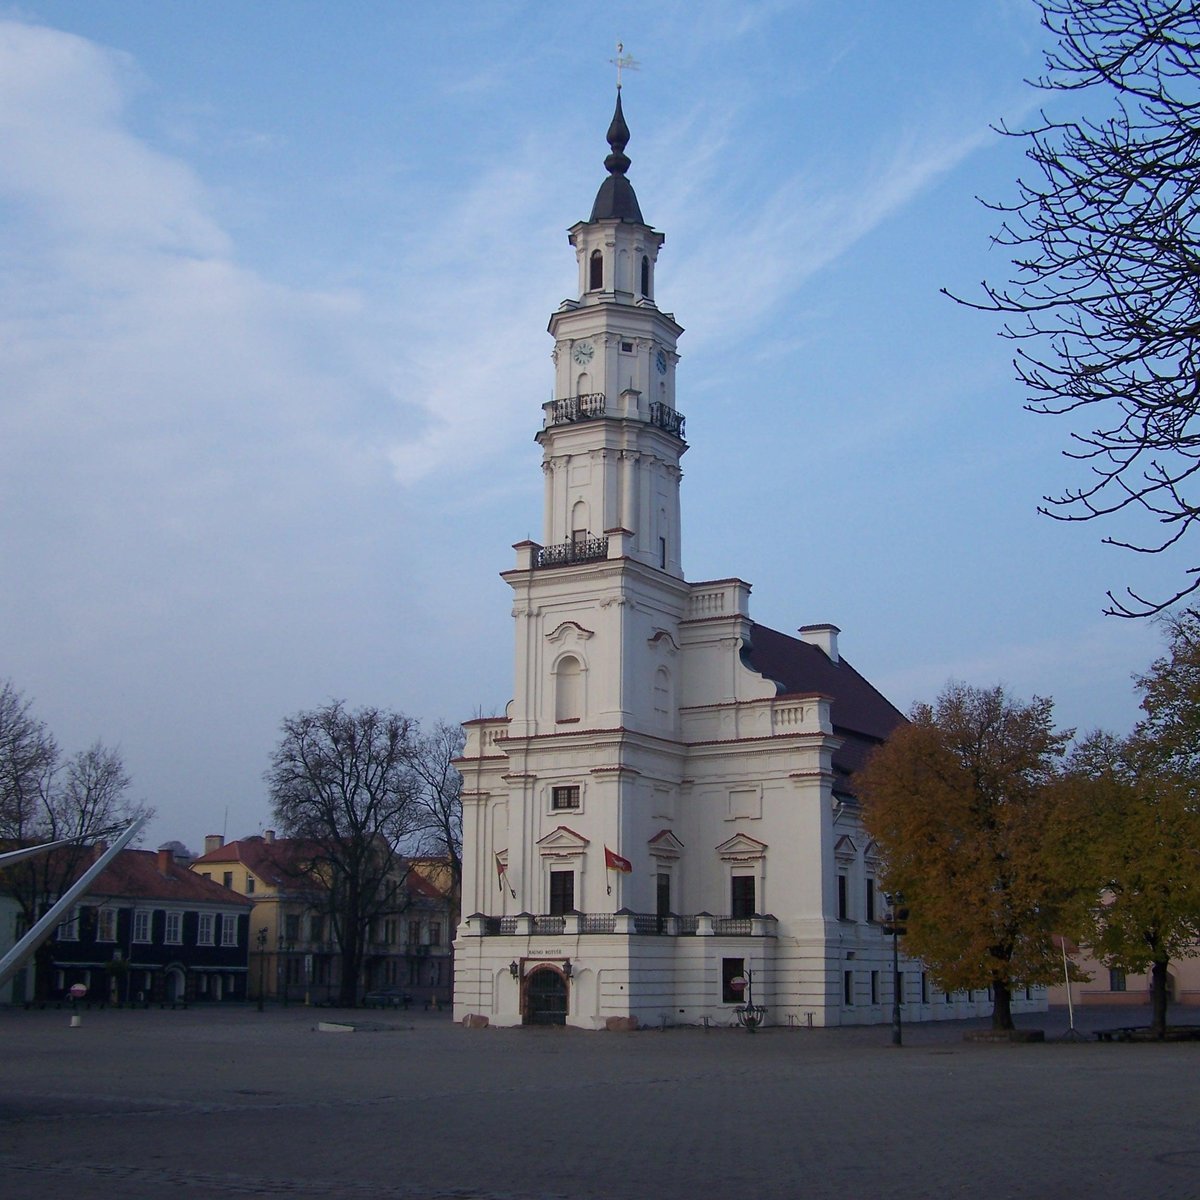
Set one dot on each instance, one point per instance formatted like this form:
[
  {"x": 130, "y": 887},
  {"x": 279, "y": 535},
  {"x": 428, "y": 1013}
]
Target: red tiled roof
[{"x": 135, "y": 874}]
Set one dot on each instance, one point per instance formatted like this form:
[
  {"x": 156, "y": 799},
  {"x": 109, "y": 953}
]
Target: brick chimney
[
  {"x": 166, "y": 858},
  {"x": 213, "y": 841},
  {"x": 268, "y": 836}
]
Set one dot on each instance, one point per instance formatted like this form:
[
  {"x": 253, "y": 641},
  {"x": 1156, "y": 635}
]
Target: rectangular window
[
  {"x": 1116, "y": 980},
  {"x": 870, "y": 914},
  {"x": 249, "y": 884},
  {"x": 141, "y": 925},
  {"x": 562, "y": 892},
  {"x": 662, "y": 894},
  {"x": 843, "y": 898},
  {"x": 291, "y": 927},
  {"x": 106, "y": 925},
  {"x": 435, "y": 933},
  {"x": 848, "y": 988},
  {"x": 316, "y": 928},
  {"x": 204, "y": 930},
  {"x": 949, "y": 997},
  {"x": 227, "y": 879},
  {"x": 414, "y": 933},
  {"x": 174, "y": 934},
  {"x": 741, "y": 896},
  {"x": 731, "y": 969},
  {"x": 68, "y": 931},
  {"x": 924, "y": 987},
  {"x": 874, "y": 987},
  {"x": 662, "y": 553},
  {"x": 565, "y": 797},
  {"x": 229, "y": 930}
]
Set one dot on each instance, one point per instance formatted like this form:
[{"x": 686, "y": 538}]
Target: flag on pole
[
  {"x": 614, "y": 862},
  {"x": 501, "y": 871}
]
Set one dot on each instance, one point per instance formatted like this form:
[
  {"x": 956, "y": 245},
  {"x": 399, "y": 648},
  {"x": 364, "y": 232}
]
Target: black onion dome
[{"x": 616, "y": 200}]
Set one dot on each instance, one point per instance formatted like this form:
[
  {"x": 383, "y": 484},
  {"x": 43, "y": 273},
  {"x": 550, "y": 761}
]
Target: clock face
[
  {"x": 582, "y": 353},
  {"x": 660, "y": 361}
]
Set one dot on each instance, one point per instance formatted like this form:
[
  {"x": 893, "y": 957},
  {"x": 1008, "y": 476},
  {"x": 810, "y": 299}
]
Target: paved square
[{"x": 230, "y": 1102}]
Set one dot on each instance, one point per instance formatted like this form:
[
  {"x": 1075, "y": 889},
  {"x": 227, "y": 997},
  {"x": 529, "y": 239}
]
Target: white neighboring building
[{"x": 656, "y": 727}]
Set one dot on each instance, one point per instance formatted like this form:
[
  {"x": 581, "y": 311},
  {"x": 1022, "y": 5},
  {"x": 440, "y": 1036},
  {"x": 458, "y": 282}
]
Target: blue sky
[{"x": 274, "y": 284}]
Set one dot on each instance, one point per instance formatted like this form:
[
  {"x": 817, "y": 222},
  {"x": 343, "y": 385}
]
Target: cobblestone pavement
[{"x": 231, "y": 1102}]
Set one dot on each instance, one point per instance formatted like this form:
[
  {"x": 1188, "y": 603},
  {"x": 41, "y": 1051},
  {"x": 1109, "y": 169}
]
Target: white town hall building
[{"x": 665, "y": 809}]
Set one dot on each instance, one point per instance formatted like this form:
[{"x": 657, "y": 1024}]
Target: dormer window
[{"x": 596, "y": 272}]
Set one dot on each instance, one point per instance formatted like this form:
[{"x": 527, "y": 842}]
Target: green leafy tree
[
  {"x": 958, "y": 803},
  {"x": 1170, "y": 730},
  {"x": 1132, "y": 816},
  {"x": 1104, "y": 301}
]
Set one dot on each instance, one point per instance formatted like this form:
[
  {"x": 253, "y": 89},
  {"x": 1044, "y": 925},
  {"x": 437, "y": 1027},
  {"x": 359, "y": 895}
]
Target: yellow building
[{"x": 294, "y": 955}]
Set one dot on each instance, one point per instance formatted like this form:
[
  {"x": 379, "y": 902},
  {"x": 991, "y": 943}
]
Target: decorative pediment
[
  {"x": 742, "y": 848},
  {"x": 569, "y": 629},
  {"x": 845, "y": 849},
  {"x": 872, "y": 853},
  {"x": 665, "y": 845},
  {"x": 562, "y": 842}
]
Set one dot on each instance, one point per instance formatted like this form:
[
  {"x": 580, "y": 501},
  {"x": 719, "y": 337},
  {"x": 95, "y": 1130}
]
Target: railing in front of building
[
  {"x": 625, "y": 922},
  {"x": 577, "y": 551}
]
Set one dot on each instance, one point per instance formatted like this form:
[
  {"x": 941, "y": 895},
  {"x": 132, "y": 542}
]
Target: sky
[{"x": 274, "y": 285}]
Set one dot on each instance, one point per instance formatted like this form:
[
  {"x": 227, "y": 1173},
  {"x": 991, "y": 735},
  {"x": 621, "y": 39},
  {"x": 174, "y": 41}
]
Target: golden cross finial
[{"x": 623, "y": 61}]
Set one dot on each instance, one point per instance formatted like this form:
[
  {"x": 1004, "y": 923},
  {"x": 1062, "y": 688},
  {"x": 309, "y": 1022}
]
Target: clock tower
[{"x": 612, "y": 437}]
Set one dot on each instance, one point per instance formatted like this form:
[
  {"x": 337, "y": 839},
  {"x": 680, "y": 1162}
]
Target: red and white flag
[
  {"x": 501, "y": 871},
  {"x": 614, "y": 862}
]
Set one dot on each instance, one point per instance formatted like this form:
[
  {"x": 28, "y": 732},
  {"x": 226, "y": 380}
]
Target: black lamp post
[
  {"x": 750, "y": 1015},
  {"x": 261, "y": 938},
  {"x": 895, "y": 928}
]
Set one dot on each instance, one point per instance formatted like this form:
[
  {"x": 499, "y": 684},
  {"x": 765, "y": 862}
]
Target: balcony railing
[
  {"x": 667, "y": 418},
  {"x": 587, "y": 407},
  {"x": 626, "y": 923},
  {"x": 577, "y": 551}
]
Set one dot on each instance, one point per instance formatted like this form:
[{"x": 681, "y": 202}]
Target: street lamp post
[
  {"x": 895, "y": 929},
  {"x": 261, "y": 938}
]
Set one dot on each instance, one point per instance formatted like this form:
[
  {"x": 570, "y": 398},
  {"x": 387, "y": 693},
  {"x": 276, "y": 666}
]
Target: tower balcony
[
  {"x": 624, "y": 922},
  {"x": 578, "y": 550},
  {"x": 592, "y": 406}
]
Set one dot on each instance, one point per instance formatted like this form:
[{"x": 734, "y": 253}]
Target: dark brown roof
[
  {"x": 135, "y": 874},
  {"x": 861, "y": 714}
]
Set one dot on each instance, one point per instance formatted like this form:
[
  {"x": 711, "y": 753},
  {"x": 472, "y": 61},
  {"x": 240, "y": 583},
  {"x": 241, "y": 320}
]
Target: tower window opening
[
  {"x": 646, "y": 275},
  {"x": 568, "y": 691},
  {"x": 596, "y": 272}
]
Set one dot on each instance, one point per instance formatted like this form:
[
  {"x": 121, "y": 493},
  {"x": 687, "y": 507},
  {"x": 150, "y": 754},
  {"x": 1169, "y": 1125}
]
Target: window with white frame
[
  {"x": 229, "y": 930},
  {"x": 564, "y": 797},
  {"x": 142, "y": 925},
  {"x": 68, "y": 931},
  {"x": 106, "y": 925},
  {"x": 204, "y": 930},
  {"x": 174, "y": 934}
]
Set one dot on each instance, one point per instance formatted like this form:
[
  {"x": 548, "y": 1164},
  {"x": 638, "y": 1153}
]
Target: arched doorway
[
  {"x": 176, "y": 985},
  {"x": 546, "y": 997}
]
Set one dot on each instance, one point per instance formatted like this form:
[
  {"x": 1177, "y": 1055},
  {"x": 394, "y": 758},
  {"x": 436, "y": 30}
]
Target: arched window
[
  {"x": 568, "y": 690},
  {"x": 579, "y": 524},
  {"x": 645, "y": 275},
  {"x": 596, "y": 272}
]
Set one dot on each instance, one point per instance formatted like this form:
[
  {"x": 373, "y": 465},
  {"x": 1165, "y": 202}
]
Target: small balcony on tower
[{"x": 593, "y": 406}]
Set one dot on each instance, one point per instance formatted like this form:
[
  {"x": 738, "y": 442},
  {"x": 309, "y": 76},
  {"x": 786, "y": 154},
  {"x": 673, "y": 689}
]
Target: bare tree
[
  {"x": 439, "y": 795},
  {"x": 1105, "y": 237},
  {"x": 45, "y": 799},
  {"x": 341, "y": 781}
]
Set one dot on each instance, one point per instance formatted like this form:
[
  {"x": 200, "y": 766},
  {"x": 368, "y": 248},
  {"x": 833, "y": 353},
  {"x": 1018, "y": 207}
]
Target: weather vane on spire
[{"x": 623, "y": 61}]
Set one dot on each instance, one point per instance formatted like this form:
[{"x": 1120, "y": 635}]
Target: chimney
[
  {"x": 824, "y": 637},
  {"x": 213, "y": 841},
  {"x": 166, "y": 858},
  {"x": 268, "y": 836}
]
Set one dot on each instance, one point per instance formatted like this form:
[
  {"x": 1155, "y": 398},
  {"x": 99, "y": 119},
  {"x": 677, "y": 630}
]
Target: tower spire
[{"x": 616, "y": 199}]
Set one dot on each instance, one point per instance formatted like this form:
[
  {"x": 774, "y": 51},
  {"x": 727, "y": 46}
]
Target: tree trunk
[
  {"x": 1158, "y": 999},
  {"x": 1001, "y": 1005}
]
